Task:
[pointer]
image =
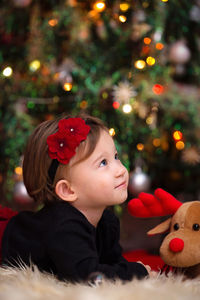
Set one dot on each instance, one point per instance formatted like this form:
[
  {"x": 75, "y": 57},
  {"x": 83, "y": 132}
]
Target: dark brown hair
[{"x": 37, "y": 161}]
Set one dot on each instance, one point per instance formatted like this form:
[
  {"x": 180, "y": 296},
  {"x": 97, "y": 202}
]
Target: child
[{"x": 71, "y": 165}]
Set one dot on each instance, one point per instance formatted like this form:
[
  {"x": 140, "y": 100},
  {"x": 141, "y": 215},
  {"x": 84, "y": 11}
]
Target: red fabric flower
[
  {"x": 75, "y": 127},
  {"x": 63, "y": 143}
]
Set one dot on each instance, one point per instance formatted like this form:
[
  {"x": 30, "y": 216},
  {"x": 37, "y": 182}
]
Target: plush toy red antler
[{"x": 160, "y": 204}]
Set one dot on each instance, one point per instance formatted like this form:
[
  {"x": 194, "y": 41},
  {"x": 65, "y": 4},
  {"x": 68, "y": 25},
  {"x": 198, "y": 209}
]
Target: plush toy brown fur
[{"x": 180, "y": 248}]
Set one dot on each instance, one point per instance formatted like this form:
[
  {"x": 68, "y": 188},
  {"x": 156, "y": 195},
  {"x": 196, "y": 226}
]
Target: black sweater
[{"x": 59, "y": 239}]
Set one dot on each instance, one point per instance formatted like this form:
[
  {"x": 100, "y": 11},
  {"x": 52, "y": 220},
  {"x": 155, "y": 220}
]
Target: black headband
[{"x": 52, "y": 169}]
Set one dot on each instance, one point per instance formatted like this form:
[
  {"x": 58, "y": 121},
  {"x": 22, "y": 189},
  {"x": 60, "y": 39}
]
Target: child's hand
[{"x": 148, "y": 268}]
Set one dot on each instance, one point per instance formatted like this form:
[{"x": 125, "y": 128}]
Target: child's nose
[{"x": 121, "y": 170}]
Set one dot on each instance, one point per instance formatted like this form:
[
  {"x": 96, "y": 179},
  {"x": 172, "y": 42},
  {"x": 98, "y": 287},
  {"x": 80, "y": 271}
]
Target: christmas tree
[{"x": 134, "y": 64}]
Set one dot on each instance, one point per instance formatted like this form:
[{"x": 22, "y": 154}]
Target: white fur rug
[{"x": 27, "y": 284}]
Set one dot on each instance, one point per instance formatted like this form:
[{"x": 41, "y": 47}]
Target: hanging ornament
[
  {"x": 138, "y": 181},
  {"x": 191, "y": 156},
  {"x": 179, "y": 53},
  {"x": 22, "y": 3},
  {"x": 20, "y": 195},
  {"x": 195, "y": 13},
  {"x": 123, "y": 92}
]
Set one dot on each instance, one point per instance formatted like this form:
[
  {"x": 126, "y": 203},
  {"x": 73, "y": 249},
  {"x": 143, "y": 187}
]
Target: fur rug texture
[{"x": 29, "y": 283}]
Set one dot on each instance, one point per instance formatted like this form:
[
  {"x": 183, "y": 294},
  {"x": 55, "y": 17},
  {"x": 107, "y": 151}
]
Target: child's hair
[{"x": 37, "y": 161}]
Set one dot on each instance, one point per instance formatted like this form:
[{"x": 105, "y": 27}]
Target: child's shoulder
[
  {"x": 109, "y": 218},
  {"x": 63, "y": 213}
]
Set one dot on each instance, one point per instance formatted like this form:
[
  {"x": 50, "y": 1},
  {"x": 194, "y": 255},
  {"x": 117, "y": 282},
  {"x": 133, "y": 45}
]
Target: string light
[
  {"x": 112, "y": 131},
  {"x": 99, "y": 6},
  {"x": 7, "y": 72},
  {"x": 147, "y": 40},
  {"x": 18, "y": 170},
  {"x": 156, "y": 142},
  {"x": 34, "y": 65},
  {"x": 177, "y": 135},
  {"x": 116, "y": 104},
  {"x": 180, "y": 145},
  {"x": 159, "y": 46},
  {"x": 53, "y": 22},
  {"x": 149, "y": 120},
  {"x": 150, "y": 60},
  {"x": 140, "y": 147},
  {"x": 83, "y": 104},
  {"x": 122, "y": 18},
  {"x": 158, "y": 89},
  {"x": 67, "y": 86},
  {"x": 140, "y": 64},
  {"x": 124, "y": 6},
  {"x": 127, "y": 108}
]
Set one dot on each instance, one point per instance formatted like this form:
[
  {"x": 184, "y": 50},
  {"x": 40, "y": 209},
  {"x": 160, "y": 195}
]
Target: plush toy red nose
[{"x": 176, "y": 245}]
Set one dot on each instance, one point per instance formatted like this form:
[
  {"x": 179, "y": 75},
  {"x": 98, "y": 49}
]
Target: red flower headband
[{"x": 62, "y": 144}]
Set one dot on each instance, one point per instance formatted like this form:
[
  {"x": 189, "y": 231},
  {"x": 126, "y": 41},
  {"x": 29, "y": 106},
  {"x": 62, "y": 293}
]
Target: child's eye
[
  {"x": 103, "y": 163},
  {"x": 116, "y": 156}
]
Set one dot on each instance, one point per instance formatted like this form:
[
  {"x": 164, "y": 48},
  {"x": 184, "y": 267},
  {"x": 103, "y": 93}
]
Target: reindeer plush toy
[{"x": 180, "y": 248}]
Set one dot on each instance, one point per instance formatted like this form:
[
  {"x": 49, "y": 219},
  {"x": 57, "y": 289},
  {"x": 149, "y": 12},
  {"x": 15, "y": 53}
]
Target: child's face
[{"x": 101, "y": 180}]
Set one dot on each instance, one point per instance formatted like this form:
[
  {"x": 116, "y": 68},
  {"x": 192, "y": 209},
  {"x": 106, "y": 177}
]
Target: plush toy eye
[
  {"x": 176, "y": 226},
  {"x": 196, "y": 227}
]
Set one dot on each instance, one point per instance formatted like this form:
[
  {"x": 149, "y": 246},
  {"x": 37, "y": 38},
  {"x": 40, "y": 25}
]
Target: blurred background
[{"x": 133, "y": 63}]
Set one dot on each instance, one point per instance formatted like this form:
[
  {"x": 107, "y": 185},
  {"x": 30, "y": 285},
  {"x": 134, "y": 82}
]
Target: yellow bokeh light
[
  {"x": 99, "y": 6},
  {"x": 7, "y": 71},
  {"x": 149, "y": 120},
  {"x": 177, "y": 135},
  {"x": 164, "y": 0},
  {"x": 112, "y": 131},
  {"x": 53, "y": 22},
  {"x": 34, "y": 65},
  {"x": 150, "y": 60},
  {"x": 140, "y": 147},
  {"x": 180, "y": 145},
  {"x": 145, "y": 4},
  {"x": 127, "y": 108},
  {"x": 18, "y": 170},
  {"x": 140, "y": 64},
  {"x": 67, "y": 86},
  {"x": 56, "y": 99},
  {"x": 122, "y": 18},
  {"x": 156, "y": 142},
  {"x": 124, "y": 6},
  {"x": 147, "y": 40}
]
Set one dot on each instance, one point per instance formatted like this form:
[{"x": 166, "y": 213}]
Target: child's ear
[{"x": 64, "y": 191}]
